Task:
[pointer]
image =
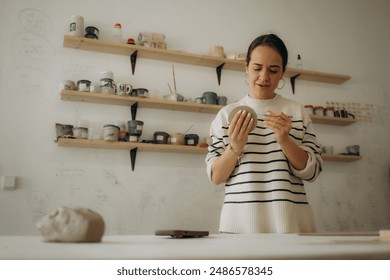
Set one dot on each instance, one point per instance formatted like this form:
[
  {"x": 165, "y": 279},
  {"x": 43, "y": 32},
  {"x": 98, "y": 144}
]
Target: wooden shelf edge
[
  {"x": 118, "y": 48},
  {"x": 111, "y": 99},
  {"x": 335, "y": 157},
  {"x": 332, "y": 120},
  {"x": 101, "y": 144}
]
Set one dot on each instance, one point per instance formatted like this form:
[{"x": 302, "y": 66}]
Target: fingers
[
  {"x": 241, "y": 123},
  {"x": 279, "y": 123},
  {"x": 277, "y": 119}
]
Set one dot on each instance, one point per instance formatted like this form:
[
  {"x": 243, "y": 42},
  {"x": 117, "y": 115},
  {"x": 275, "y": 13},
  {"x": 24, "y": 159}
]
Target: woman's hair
[{"x": 270, "y": 40}]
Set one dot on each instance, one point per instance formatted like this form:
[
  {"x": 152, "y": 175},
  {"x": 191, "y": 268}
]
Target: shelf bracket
[
  {"x": 133, "y": 155},
  {"x": 133, "y": 110},
  {"x": 292, "y": 80},
  {"x": 219, "y": 72},
  {"x": 133, "y": 61}
]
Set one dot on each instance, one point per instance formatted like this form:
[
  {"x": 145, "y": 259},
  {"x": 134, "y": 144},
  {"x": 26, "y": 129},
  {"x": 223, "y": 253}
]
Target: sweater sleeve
[
  {"x": 218, "y": 134},
  {"x": 311, "y": 145}
]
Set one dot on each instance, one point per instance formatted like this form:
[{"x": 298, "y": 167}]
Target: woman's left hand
[{"x": 280, "y": 124}]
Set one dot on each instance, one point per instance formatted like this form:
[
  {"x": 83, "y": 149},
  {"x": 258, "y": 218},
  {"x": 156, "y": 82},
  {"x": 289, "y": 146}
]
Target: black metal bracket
[
  {"x": 133, "y": 156},
  {"x": 219, "y": 72},
  {"x": 292, "y": 80},
  {"x": 133, "y": 61},
  {"x": 133, "y": 110}
]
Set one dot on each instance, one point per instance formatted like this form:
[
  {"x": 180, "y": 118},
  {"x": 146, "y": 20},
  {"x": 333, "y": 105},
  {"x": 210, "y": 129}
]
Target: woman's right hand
[{"x": 239, "y": 129}]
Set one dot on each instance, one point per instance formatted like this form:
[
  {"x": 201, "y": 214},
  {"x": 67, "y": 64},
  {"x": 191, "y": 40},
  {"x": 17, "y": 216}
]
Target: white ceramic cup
[
  {"x": 76, "y": 26},
  {"x": 67, "y": 85},
  {"x": 94, "y": 87},
  {"x": 123, "y": 89}
]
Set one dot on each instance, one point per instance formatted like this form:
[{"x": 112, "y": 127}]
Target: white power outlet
[{"x": 9, "y": 182}]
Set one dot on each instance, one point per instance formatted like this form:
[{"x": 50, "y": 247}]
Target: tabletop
[{"x": 214, "y": 246}]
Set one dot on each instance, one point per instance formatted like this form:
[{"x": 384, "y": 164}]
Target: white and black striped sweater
[{"x": 265, "y": 193}]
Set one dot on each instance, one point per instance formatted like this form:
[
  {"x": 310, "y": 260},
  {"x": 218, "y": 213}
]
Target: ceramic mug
[
  {"x": 67, "y": 85},
  {"x": 94, "y": 87},
  {"x": 76, "y": 26},
  {"x": 177, "y": 139},
  {"x": 135, "y": 126},
  {"x": 210, "y": 97},
  {"x": 123, "y": 89},
  {"x": 222, "y": 100},
  {"x": 107, "y": 82},
  {"x": 353, "y": 150},
  {"x": 83, "y": 85}
]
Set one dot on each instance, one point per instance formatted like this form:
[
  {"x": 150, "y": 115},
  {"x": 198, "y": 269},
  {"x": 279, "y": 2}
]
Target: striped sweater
[{"x": 265, "y": 193}]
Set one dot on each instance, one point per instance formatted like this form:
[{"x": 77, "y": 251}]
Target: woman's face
[{"x": 264, "y": 72}]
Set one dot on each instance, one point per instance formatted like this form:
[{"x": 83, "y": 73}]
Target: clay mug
[
  {"x": 123, "y": 89},
  {"x": 210, "y": 97}
]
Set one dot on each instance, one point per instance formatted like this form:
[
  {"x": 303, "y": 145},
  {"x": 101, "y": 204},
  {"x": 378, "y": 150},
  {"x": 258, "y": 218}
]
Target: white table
[{"x": 219, "y": 246}]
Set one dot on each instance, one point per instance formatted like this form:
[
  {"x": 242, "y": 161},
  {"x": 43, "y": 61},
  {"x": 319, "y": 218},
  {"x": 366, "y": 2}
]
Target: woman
[{"x": 263, "y": 170}]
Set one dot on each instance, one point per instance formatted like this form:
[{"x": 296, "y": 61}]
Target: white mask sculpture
[{"x": 72, "y": 225}]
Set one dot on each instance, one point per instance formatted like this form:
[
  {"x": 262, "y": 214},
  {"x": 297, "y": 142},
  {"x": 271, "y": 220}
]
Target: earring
[
  {"x": 284, "y": 82},
  {"x": 246, "y": 79}
]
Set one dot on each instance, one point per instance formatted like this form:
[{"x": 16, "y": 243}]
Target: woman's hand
[
  {"x": 280, "y": 124},
  {"x": 239, "y": 129}
]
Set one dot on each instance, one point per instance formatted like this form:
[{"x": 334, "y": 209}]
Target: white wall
[{"x": 172, "y": 190}]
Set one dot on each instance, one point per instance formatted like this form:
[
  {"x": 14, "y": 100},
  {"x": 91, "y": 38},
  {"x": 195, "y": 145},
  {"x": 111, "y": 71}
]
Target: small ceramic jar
[
  {"x": 107, "y": 82},
  {"x": 329, "y": 111},
  {"x": 110, "y": 132},
  {"x": 177, "y": 139},
  {"x": 83, "y": 85},
  {"x": 91, "y": 32},
  {"x": 309, "y": 109},
  {"x": 191, "y": 139},
  {"x": 80, "y": 132},
  {"x": 161, "y": 137},
  {"x": 135, "y": 126},
  {"x": 318, "y": 110},
  {"x": 134, "y": 137}
]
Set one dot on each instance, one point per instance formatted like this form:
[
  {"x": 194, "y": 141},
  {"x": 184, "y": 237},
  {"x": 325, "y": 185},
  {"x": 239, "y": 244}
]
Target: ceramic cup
[
  {"x": 110, "y": 132},
  {"x": 222, "y": 100},
  {"x": 64, "y": 130},
  {"x": 83, "y": 85},
  {"x": 107, "y": 82},
  {"x": 210, "y": 97},
  {"x": 67, "y": 85},
  {"x": 161, "y": 137},
  {"x": 353, "y": 150},
  {"x": 123, "y": 89},
  {"x": 135, "y": 126},
  {"x": 177, "y": 139},
  {"x": 191, "y": 139},
  {"x": 94, "y": 87},
  {"x": 76, "y": 26},
  {"x": 80, "y": 132}
]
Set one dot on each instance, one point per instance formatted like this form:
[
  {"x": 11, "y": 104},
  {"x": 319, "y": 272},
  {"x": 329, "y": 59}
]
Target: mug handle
[
  {"x": 129, "y": 89},
  {"x": 350, "y": 115}
]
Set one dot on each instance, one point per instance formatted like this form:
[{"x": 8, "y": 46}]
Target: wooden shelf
[
  {"x": 344, "y": 158},
  {"x": 118, "y": 48},
  {"x": 101, "y": 144},
  {"x": 112, "y": 99},
  {"x": 332, "y": 120}
]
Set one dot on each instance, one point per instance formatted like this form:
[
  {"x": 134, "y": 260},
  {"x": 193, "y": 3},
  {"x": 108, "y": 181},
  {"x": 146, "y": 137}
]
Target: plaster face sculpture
[{"x": 72, "y": 225}]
